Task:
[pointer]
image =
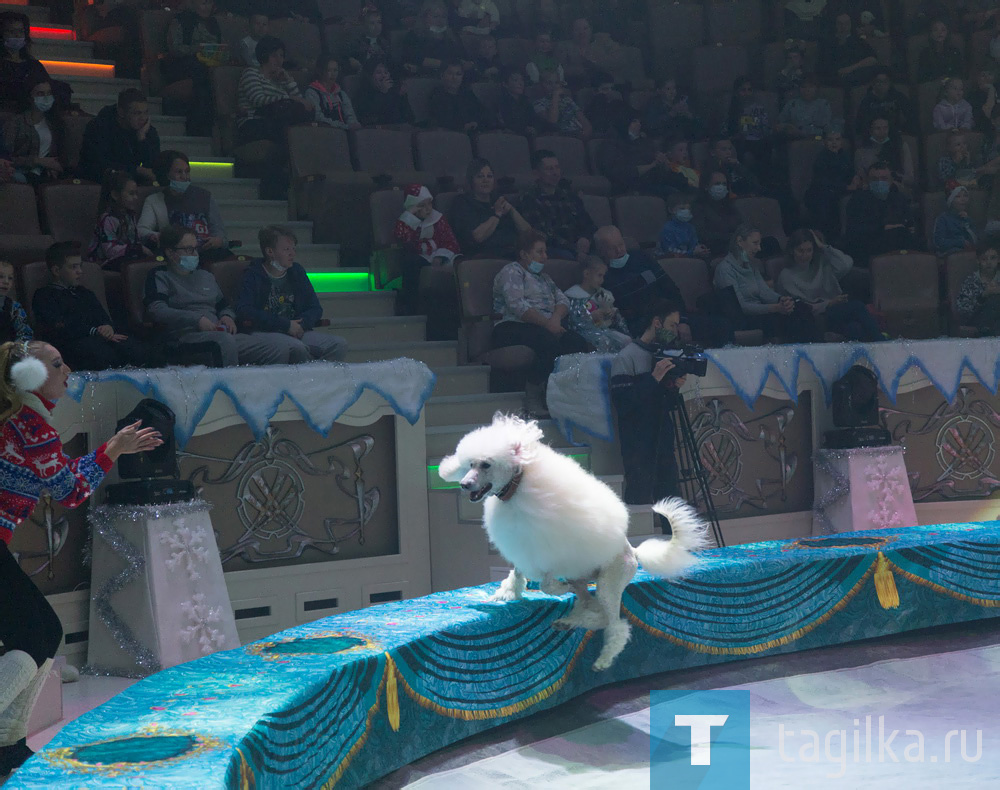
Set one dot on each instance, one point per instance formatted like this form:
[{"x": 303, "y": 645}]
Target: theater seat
[
  {"x": 389, "y": 153},
  {"x": 640, "y": 217},
  {"x": 446, "y": 155},
  {"x": 905, "y": 290},
  {"x": 958, "y": 266},
  {"x": 475, "y": 291},
  {"x": 36, "y": 275},
  {"x": 70, "y": 210},
  {"x": 572, "y": 157}
]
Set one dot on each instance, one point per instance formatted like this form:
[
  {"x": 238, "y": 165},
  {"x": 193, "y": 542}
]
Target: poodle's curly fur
[{"x": 561, "y": 526}]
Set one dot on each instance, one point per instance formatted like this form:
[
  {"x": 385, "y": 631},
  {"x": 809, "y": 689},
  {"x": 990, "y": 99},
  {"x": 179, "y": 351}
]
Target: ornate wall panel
[
  {"x": 757, "y": 461},
  {"x": 294, "y": 497},
  {"x": 951, "y": 448}
]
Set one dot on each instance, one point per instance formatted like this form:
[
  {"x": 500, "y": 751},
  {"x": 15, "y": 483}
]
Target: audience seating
[
  {"x": 418, "y": 93},
  {"x": 387, "y": 153},
  {"x": 917, "y": 43},
  {"x": 446, "y": 154},
  {"x": 733, "y": 22},
  {"x": 905, "y": 290},
  {"x": 36, "y": 274},
  {"x": 21, "y": 238},
  {"x": 765, "y": 213},
  {"x": 640, "y": 218},
  {"x": 508, "y": 154},
  {"x": 599, "y": 209},
  {"x": 715, "y": 68},
  {"x": 70, "y": 211}
]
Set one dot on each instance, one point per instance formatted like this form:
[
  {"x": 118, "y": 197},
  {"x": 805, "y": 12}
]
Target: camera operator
[{"x": 642, "y": 391}]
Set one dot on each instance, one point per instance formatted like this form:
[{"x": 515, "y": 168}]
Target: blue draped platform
[{"x": 344, "y": 700}]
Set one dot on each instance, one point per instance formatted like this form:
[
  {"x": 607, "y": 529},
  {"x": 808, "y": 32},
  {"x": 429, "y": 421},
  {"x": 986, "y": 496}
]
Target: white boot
[
  {"x": 17, "y": 670},
  {"x": 14, "y": 720}
]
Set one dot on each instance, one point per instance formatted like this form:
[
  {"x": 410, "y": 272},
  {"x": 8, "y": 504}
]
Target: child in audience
[
  {"x": 487, "y": 60},
  {"x": 749, "y": 125},
  {"x": 678, "y": 160},
  {"x": 807, "y": 114},
  {"x": 13, "y": 320},
  {"x": 833, "y": 176},
  {"x": 958, "y": 167},
  {"x": 557, "y": 109},
  {"x": 592, "y": 312},
  {"x": 426, "y": 237},
  {"x": 607, "y": 109},
  {"x": 978, "y": 302},
  {"x": 679, "y": 237},
  {"x": 668, "y": 115},
  {"x": 70, "y": 315},
  {"x": 116, "y": 235},
  {"x": 333, "y": 105},
  {"x": 248, "y": 46},
  {"x": 278, "y": 302},
  {"x": 952, "y": 111},
  {"x": 544, "y": 59},
  {"x": 515, "y": 112},
  {"x": 793, "y": 72},
  {"x": 953, "y": 229}
]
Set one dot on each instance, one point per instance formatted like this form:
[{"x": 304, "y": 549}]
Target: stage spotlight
[
  {"x": 855, "y": 412},
  {"x": 154, "y": 474}
]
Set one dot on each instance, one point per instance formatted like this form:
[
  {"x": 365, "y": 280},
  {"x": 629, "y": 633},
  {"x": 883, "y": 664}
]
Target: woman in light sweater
[
  {"x": 761, "y": 307},
  {"x": 182, "y": 203},
  {"x": 812, "y": 275}
]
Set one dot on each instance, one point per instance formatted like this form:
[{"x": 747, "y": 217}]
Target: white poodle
[{"x": 559, "y": 525}]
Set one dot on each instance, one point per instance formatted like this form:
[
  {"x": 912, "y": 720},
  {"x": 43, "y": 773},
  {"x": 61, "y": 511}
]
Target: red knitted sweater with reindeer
[{"x": 32, "y": 462}]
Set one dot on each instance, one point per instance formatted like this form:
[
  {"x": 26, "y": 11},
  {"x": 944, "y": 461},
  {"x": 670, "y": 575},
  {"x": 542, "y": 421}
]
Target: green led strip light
[
  {"x": 212, "y": 169},
  {"x": 435, "y": 483},
  {"x": 340, "y": 282}
]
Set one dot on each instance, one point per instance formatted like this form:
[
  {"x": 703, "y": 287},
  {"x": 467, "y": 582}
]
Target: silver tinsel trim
[
  {"x": 839, "y": 484},
  {"x": 102, "y": 520}
]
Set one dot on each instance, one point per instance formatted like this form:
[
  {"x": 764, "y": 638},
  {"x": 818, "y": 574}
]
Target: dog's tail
[{"x": 673, "y": 558}]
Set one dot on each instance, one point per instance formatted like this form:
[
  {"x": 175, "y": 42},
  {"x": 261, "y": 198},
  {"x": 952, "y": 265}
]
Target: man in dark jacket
[
  {"x": 554, "y": 208},
  {"x": 277, "y": 297},
  {"x": 121, "y": 138},
  {"x": 69, "y": 316},
  {"x": 637, "y": 281},
  {"x": 879, "y": 218}
]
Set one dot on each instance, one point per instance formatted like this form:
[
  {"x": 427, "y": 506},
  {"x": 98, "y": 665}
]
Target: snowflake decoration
[
  {"x": 187, "y": 546},
  {"x": 201, "y": 617},
  {"x": 884, "y": 480},
  {"x": 885, "y": 515}
]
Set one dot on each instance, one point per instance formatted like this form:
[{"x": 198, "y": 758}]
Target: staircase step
[
  {"x": 73, "y": 70},
  {"x": 62, "y": 50},
  {"x": 48, "y": 31},
  {"x": 93, "y": 98},
  {"x": 384, "y": 329},
  {"x": 265, "y": 212},
  {"x": 198, "y": 148},
  {"x": 88, "y": 85},
  {"x": 168, "y": 125},
  {"x": 642, "y": 522},
  {"x": 466, "y": 409},
  {"x": 312, "y": 257},
  {"x": 211, "y": 167},
  {"x": 246, "y": 230},
  {"x": 227, "y": 188},
  {"x": 442, "y": 439},
  {"x": 616, "y": 482},
  {"x": 349, "y": 305},
  {"x": 462, "y": 380},
  {"x": 440, "y": 353},
  {"x": 37, "y": 15}
]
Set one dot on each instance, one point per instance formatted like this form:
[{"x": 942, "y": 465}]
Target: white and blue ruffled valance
[
  {"x": 322, "y": 391},
  {"x": 578, "y": 389}
]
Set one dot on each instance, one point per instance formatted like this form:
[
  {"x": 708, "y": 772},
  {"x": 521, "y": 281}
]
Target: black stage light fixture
[
  {"x": 855, "y": 412},
  {"x": 153, "y": 475}
]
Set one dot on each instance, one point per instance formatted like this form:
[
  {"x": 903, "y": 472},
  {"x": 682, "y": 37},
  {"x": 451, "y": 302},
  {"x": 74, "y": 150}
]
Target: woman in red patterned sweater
[{"x": 32, "y": 378}]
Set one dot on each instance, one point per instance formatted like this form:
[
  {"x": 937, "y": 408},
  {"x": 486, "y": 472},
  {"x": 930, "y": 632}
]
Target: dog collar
[{"x": 505, "y": 493}]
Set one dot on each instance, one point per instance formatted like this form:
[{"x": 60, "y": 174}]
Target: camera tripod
[{"x": 692, "y": 479}]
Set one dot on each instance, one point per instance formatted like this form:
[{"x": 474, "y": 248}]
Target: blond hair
[{"x": 13, "y": 351}]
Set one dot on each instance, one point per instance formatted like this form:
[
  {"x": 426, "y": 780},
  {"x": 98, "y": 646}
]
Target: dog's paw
[
  {"x": 587, "y": 619},
  {"x": 602, "y": 663},
  {"x": 502, "y": 596}
]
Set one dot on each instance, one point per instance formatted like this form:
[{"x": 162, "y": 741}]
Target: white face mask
[
  {"x": 438, "y": 29},
  {"x": 44, "y": 103},
  {"x": 618, "y": 263}
]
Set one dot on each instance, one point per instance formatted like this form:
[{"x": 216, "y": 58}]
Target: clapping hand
[{"x": 133, "y": 439}]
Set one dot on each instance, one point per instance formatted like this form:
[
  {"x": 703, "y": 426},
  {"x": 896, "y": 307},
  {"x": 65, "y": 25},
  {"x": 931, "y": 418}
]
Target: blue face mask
[
  {"x": 44, "y": 103},
  {"x": 718, "y": 191},
  {"x": 14, "y": 44},
  {"x": 179, "y": 186},
  {"x": 535, "y": 267},
  {"x": 188, "y": 262},
  {"x": 618, "y": 263},
  {"x": 684, "y": 214},
  {"x": 879, "y": 188}
]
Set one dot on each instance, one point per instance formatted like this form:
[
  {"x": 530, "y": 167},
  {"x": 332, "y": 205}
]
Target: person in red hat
[{"x": 426, "y": 237}]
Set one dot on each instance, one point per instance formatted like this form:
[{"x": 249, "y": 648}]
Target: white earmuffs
[{"x": 28, "y": 374}]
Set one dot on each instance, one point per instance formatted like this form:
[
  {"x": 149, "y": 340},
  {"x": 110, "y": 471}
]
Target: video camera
[{"x": 689, "y": 360}]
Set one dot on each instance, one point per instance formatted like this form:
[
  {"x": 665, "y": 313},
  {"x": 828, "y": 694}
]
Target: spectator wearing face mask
[
  {"x": 679, "y": 236},
  {"x": 715, "y": 215},
  {"x": 183, "y": 204},
  {"x": 879, "y": 218},
  {"x": 35, "y": 137}
]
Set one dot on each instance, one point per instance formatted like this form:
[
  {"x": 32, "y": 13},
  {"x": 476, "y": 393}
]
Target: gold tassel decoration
[
  {"x": 885, "y": 584},
  {"x": 391, "y": 694}
]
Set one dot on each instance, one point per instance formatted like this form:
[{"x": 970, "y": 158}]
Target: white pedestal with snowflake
[
  {"x": 158, "y": 596},
  {"x": 861, "y": 489}
]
